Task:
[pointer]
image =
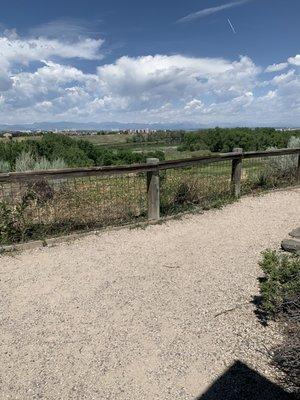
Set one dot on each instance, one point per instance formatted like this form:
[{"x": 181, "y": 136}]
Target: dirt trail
[{"x": 137, "y": 314}]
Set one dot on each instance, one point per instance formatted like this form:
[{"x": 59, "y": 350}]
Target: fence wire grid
[
  {"x": 269, "y": 172},
  {"x": 35, "y": 209},
  {"x": 202, "y": 185},
  {"x": 43, "y": 207}
]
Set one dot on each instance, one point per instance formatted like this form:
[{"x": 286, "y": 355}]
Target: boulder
[
  {"x": 295, "y": 233},
  {"x": 291, "y": 245}
]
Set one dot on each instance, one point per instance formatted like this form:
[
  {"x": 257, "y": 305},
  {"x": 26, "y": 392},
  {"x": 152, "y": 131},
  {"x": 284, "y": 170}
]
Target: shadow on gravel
[
  {"x": 259, "y": 310},
  {"x": 239, "y": 382}
]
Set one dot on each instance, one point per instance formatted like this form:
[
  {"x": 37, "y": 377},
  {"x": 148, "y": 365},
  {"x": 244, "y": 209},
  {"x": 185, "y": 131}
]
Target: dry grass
[{"x": 58, "y": 206}]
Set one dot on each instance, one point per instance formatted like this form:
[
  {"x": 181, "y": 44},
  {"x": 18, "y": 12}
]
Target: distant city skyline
[{"x": 198, "y": 62}]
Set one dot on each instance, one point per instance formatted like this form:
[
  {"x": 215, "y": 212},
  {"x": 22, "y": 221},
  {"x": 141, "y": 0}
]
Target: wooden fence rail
[{"x": 152, "y": 168}]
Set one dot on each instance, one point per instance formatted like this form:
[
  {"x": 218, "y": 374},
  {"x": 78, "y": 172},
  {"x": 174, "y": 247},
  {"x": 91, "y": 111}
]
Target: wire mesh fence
[
  {"x": 43, "y": 207},
  {"x": 34, "y": 207},
  {"x": 269, "y": 172},
  {"x": 202, "y": 185}
]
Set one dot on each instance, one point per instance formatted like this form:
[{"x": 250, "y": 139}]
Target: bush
[
  {"x": 60, "y": 151},
  {"x": 283, "y": 166},
  {"x": 44, "y": 164},
  {"x": 280, "y": 291},
  {"x": 24, "y": 162},
  {"x": 187, "y": 193},
  {"x": 4, "y": 166},
  {"x": 281, "y": 282},
  {"x": 27, "y": 162},
  {"x": 294, "y": 142},
  {"x": 13, "y": 224},
  {"x": 39, "y": 191}
]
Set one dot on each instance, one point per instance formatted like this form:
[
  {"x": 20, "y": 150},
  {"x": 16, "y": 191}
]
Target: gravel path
[{"x": 139, "y": 314}]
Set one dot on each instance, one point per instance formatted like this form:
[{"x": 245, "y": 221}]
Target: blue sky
[{"x": 158, "y": 61}]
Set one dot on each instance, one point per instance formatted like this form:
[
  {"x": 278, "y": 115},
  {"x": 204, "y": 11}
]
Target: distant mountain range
[{"x": 47, "y": 126}]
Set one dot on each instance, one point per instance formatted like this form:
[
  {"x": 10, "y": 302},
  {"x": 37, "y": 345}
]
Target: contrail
[
  {"x": 212, "y": 10},
  {"x": 231, "y": 26}
]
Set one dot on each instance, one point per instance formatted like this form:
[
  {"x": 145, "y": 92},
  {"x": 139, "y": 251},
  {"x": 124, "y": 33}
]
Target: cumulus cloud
[
  {"x": 281, "y": 66},
  {"x": 194, "y": 104},
  {"x": 295, "y": 60},
  {"x": 16, "y": 50},
  {"x": 153, "y": 80},
  {"x": 19, "y": 51},
  {"x": 159, "y": 75},
  {"x": 151, "y": 88},
  {"x": 276, "y": 67}
]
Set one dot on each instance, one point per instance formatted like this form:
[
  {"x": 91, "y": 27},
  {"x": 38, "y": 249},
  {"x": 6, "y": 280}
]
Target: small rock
[
  {"x": 291, "y": 245},
  {"x": 295, "y": 233}
]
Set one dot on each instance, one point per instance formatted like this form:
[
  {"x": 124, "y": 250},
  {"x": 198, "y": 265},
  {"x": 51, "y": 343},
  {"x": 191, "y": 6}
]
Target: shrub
[
  {"x": 13, "y": 225},
  {"x": 187, "y": 193},
  {"x": 4, "y": 166},
  {"x": 284, "y": 166},
  {"x": 39, "y": 191},
  {"x": 280, "y": 291},
  {"x": 294, "y": 142},
  {"x": 27, "y": 162},
  {"x": 24, "y": 162},
  {"x": 281, "y": 282},
  {"x": 44, "y": 164}
]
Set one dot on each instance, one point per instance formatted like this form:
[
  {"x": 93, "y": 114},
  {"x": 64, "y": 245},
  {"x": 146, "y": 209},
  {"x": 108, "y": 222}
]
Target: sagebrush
[{"x": 280, "y": 291}]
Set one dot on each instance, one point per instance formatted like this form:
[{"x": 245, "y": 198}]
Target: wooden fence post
[
  {"x": 298, "y": 170},
  {"x": 153, "y": 191},
  {"x": 236, "y": 173}
]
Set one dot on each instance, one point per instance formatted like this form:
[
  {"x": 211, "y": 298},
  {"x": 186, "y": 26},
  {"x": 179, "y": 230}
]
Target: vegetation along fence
[{"x": 37, "y": 204}]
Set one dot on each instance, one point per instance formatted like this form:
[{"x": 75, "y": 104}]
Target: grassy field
[
  {"x": 22, "y": 138},
  {"x": 103, "y": 140},
  {"x": 120, "y": 141}
]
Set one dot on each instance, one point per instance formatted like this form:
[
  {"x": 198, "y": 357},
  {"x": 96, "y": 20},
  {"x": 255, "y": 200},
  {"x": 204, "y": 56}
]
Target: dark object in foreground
[{"x": 241, "y": 382}]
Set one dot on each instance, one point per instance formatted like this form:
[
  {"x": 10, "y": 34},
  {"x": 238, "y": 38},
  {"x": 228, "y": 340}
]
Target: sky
[{"x": 206, "y": 62}]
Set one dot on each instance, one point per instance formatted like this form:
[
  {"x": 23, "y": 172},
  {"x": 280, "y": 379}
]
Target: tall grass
[
  {"x": 27, "y": 162},
  {"x": 4, "y": 166}
]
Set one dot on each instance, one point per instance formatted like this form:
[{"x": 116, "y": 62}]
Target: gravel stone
[{"x": 158, "y": 313}]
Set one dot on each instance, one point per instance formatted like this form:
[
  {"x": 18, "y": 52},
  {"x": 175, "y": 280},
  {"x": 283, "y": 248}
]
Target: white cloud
[
  {"x": 23, "y": 51},
  {"x": 295, "y": 60},
  {"x": 194, "y": 104},
  {"x": 19, "y": 51},
  {"x": 284, "y": 78},
  {"x": 142, "y": 89},
  {"x": 159, "y": 75},
  {"x": 212, "y": 10},
  {"x": 16, "y": 51},
  {"x": 281, "y": 66},
  {"x": 276, "y": 67},
  {"x": 153, "y": 80},
  {"x": 70, "y": 29}
]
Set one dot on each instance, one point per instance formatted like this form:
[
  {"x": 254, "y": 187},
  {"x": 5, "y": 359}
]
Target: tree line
[
  {"x": 226, "y": 139},
  {"x": 73, "y": 152}
]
